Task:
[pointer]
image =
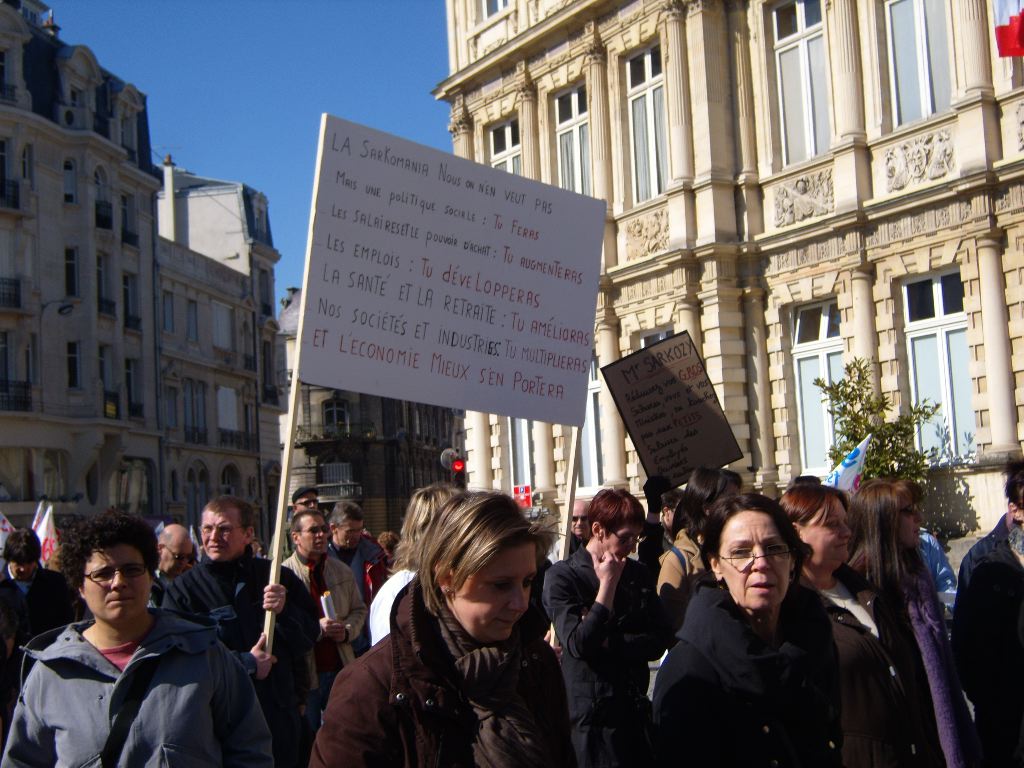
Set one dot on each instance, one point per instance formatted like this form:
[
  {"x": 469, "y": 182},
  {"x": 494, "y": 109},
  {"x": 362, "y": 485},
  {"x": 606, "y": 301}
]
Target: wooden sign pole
[{"x": 574, "y": 470}]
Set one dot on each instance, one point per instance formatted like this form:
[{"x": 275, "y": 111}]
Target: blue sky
[{"x": 235, "y": 88}]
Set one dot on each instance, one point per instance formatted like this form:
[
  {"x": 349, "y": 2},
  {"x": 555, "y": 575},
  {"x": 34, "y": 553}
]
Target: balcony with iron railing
[
  {"x": 195, "y": 435},
  {"x": 233, "y": 438},
  {"x": 10, "y": 196},
  {"x": 10, "y": 292},
  {"x": 111, "y": 404},
  {"x": 104, "y": 214},
  {"x": 129, "y": 238},
  {"x": 132, "y": 323},
  {"x": 106, "y": 306},
  {"x": 328, "y": 492},
  {"x": 136, "y": 410},
  {"x": 314, "y": 433},
  {"x": 15, "y": 395}
]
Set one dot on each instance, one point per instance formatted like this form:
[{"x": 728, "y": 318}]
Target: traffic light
[{"x": 459, "y": 472}]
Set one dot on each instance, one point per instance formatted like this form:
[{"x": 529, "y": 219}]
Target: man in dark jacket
[
  {"x": 230, "y": 586},
  {"x": 46, "y": 592},
  {"x": 1013, "y": 518}
]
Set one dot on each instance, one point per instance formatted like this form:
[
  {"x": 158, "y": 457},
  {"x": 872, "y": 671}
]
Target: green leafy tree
[{"x": 857, "y": 411}]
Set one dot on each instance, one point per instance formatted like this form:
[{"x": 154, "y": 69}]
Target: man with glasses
[
  {"x": 230, "y": 586},
  {"x": 177, "y": 555},
  {"x": 580, "y": 525},
  {"x": 305, "y": 498},
  {"x": 328, "y": 578}
]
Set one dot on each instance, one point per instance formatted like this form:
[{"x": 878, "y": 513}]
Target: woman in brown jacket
[
  {"x": 465, "y": 677},
  {"x": 887, "y": 714}
]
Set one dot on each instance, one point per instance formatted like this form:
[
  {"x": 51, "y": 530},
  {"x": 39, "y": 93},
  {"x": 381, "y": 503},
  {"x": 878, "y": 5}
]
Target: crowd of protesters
[{"x": 803, "y": 631}]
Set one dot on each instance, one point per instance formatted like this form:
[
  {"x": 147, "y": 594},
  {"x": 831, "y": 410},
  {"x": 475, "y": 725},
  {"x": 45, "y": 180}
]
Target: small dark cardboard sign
[{"x": 670, "y": 409}]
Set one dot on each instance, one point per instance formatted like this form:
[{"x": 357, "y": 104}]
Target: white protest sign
[{"x": 435, "y": 279}]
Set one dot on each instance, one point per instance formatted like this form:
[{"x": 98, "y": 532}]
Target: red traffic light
[{"x": 459, "y": 465}]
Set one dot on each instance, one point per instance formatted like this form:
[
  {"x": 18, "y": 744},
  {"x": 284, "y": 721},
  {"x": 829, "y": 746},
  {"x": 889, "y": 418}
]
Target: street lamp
[{"x": 64, "y": 308}]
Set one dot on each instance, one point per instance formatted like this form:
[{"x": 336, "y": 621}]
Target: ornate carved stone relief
[
  {"x": 1020, "y": 126},
  {"x": 646, "y": 235},
  {"x": 919, "y": 159},
  {"x": 804, "y": 197}
]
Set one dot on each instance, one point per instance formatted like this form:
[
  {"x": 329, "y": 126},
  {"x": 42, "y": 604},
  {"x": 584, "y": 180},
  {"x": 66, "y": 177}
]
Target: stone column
[
  {"x": 1002, "y": 408},
  {"x": 600, "y": 139},
  {"x": 680, "y": 138},
  {"x": 971, "y": 22},
  {"x": 848, "y": 83},
  {"x": 613, "y": 433},
  {"x": 978, "y": 134},
  {"x": 759, "y": 390},
  {"x": 478, "y": 448},
  {"x": 865, "y": 336},
  {"x": 461, "y": 129},
  {"x": 543, "y": 458},
  {"x": 752, "y": 208},
  {"x": 527, "y": 97}
]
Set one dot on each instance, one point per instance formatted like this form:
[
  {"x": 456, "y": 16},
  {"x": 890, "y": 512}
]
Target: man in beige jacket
[{"x": 325, "y": 576}]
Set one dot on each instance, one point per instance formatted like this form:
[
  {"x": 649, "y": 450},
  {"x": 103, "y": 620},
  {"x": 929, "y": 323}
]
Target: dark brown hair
[
  {"x": 728, "y": 507},
  {"x": 95, "y": 534}
]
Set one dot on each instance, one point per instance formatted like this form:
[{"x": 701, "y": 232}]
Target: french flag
[{"x": 1009, "y": 27}]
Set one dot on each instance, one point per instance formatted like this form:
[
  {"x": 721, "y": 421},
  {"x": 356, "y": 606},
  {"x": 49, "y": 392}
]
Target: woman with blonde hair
[
  {"x": 884, "y": 524},
  {"x": 422, "y": 506},
  {"x": 464, "y": 677}
]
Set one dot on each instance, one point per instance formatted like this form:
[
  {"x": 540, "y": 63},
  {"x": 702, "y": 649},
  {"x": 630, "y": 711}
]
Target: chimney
[{"x": 166, "y": 212}]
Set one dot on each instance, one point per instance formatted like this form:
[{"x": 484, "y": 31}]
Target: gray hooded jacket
[{"x": 199, "y": 710}]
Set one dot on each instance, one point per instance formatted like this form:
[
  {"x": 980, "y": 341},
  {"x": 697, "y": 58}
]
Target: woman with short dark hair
[
  {"x": 886, "y": 707},
  {"x": 753, "y": 679},
  {"x": 135, "y": 685},
  {"x": 611, "y": 624}
]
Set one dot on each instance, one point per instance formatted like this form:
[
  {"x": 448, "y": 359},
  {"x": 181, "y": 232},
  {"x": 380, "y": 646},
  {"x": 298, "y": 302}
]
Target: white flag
[
  {"x": 37, "y": 518},
  {"x": 47, "y": 533},
  {"x": 846, "y": 475}
]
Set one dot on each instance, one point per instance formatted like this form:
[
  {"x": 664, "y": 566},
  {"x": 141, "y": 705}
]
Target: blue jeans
[{"x": 317, "y": 700}]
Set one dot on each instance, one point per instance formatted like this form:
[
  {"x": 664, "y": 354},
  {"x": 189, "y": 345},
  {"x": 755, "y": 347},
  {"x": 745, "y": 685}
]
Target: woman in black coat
[
  {"x": 611, "y": 624},
  {"x": 887, "y": 714},
  {"x": 753, "y": 678}
]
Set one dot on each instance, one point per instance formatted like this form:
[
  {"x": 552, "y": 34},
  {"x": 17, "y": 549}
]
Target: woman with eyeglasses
[
  {"x": 611, "y": 624},
  {"x": 134, "y": 686},
  {"x": 886, "y": 706},
  {"x": 884, "y": 524},
  {"x": 753, "y": 679}
]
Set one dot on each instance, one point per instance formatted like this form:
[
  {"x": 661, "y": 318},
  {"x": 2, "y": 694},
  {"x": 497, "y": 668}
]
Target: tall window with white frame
[
  {"x": 591, "y": 473},
  {"x": 192, "y": 320},
  {"x": 573, "y": 140},
  {"x": 490, "y": 8},
  {"x": 71, "y": 272},
  {"x": 817, "y": 354},
  {"x": 506, "y": 153},
  {"x": 919, "y": 70},
  {"x": 520, "y": 436},
  {"x": 106, "y": 363},
  {"x": 647, "y": 124},
  {"x": 801, "y": 70},
  {"x": 130, "y": 296},
  {"x": 133, "y": 387},
  {"x": 70, "y": 182},
  {"x": 940, "y": 362}
]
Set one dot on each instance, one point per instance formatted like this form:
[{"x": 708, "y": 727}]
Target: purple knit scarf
[{"x": 956, "y": 729}]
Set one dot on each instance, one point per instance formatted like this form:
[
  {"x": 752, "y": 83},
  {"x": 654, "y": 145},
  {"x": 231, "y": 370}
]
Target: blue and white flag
[{"x": 846, "y": 475}]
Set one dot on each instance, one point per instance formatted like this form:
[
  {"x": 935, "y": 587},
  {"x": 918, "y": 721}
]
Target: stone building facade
[
  {"x": 796, "y": 184},
  {"x": 219, "y": 395},
  {"x": 78, "y": 412}
]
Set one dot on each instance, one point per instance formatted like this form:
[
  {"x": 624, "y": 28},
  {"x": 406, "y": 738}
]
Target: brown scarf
[{"x": 507, "y": 735}]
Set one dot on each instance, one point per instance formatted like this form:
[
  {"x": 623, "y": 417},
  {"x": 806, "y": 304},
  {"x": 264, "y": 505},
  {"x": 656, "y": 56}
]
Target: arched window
[
  {"x": 230, "y": 480},
  {"x": 335, "y": 412}
]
